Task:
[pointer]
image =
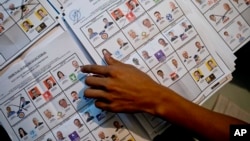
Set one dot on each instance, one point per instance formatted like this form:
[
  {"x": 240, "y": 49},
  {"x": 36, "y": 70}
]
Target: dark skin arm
[{"x": 120, "y": 87}]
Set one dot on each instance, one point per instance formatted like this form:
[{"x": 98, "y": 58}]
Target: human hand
[{"x": 120, "y": 87}]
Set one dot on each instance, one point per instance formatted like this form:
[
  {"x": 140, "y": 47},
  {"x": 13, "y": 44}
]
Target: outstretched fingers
[
  {"x": 95, "y": 81},
  {"x": 96, "y": 94},
  {"x": 116, "y": 107},
  {"x": 110, "y": 60},
  {"x": 101, "y": 70},
  {"x": 95, "y": 69}
]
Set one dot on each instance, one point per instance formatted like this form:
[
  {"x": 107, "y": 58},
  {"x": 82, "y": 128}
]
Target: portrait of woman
[
  {"x": 22, "y": 132},
  {"x": 60, "y": 75}
]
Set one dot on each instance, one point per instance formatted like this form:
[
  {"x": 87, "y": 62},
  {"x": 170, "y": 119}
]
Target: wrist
[
  {"x": 168, "y": 103},
  {"x": 164, "y": 103},
  {"x": 160, "y": 102}
]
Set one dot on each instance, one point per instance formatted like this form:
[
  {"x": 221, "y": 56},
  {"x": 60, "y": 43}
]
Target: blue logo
[
  {"x": 169, "y": 17},
  {"x": 75, "y": 16}
]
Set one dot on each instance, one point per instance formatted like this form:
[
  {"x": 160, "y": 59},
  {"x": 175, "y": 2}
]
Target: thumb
[{"x": 110, "y": 60}]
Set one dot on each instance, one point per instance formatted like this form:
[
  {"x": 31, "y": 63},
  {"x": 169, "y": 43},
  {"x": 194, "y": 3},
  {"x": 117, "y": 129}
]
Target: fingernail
[
  {"x": 105, "y": 52},
  {"x": 82, "y": 68}
]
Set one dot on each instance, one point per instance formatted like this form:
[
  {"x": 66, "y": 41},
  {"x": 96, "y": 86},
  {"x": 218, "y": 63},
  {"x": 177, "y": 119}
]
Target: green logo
[
  {"x": 72, "y": 77},
  {"x": 156, "y": 1}
]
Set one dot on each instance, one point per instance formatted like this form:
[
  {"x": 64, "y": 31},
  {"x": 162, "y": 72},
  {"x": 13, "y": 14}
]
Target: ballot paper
[
  {"x": 23, "y": 22},
  {"x": 42, "y": 95},
  {"x": 169, "y": 40}
]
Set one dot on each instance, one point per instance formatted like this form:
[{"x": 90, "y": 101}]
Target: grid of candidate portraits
[
  {"x": 157, "y": 38},
  {"x": 230, "y": 18},
  {"x": 21, "y": 22},
  {"x": 53, "y": 107}
]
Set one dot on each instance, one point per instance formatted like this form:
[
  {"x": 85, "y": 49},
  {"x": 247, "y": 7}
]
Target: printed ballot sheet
[
  {"x": 229, "y": 18},
  {"x": 163, "y": 38},
  {"x": 22, "y": 22},
  {"x": 42, "y": 97}
]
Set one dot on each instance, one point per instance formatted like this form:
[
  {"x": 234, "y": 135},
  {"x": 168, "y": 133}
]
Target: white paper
[
  {"x": 19, "y": 30},
  {"x": 129, "y": 40},
  {"x": 27, "y": 95}
]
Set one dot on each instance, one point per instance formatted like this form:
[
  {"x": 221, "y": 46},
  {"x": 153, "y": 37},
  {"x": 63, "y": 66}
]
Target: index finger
[{"x": 96, "y": 69}]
